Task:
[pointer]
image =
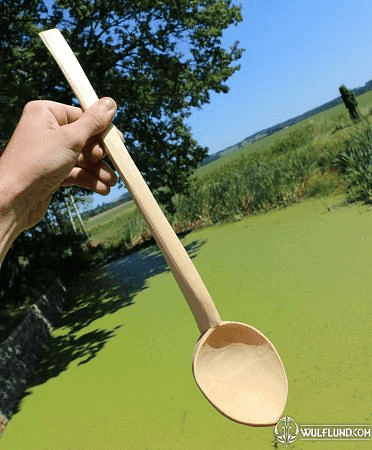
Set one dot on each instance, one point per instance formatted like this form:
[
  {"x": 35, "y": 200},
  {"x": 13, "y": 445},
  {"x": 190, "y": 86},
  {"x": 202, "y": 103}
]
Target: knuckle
[{"x": 35, "y": 106}]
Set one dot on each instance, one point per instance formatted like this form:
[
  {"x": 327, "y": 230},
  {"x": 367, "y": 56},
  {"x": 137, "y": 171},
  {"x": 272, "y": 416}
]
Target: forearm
[
  {"x": 8, "y": 234},
  {"x": 9, "y": 223}
]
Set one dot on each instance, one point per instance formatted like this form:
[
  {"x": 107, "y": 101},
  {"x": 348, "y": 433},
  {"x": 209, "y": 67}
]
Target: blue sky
[{"x": 297, "y": 54}]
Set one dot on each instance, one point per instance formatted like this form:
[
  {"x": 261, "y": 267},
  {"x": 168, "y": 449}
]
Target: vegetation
[
  {"x": 100, "y": 226},
  {"x": 103, "y": 207},
  {"x": 304, "y": 161},
  {"x": 297, "y": 163},
  {"x": 159, "y": 59},
  {"x": 121, "y": 361},
  {"x": 23, "y": 279},
  {"x": 350, "y": 102},
  {"x": 274, "y": 176},
  {"x": 355, "y": 164}
]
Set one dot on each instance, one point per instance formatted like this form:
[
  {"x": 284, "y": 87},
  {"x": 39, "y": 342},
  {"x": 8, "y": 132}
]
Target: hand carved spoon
[{"x": 236, "y": 367}]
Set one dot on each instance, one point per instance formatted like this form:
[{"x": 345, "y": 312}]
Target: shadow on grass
[{"x": 101, "y": 291}]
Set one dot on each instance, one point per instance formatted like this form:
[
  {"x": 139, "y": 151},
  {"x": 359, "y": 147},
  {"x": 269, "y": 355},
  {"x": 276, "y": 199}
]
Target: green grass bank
[
  {"x": 300, "y": 162},
  {"x": 118, "y": 372}
]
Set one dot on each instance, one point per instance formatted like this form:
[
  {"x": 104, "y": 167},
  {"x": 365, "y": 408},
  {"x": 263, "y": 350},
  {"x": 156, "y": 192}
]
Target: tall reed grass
[
  {"x": 355, "y": 163},
  {"x": 302, "y": 162},
  {"x": 296, "y": 165}
]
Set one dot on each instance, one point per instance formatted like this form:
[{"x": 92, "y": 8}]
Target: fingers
[
  {"x": 90, "y": 171},
  {"x": 88, "y": 180},
  {"x": 92, "y": 122},
  {"x": 96, "y": 177},
  {"x": 93, "y": 151}
]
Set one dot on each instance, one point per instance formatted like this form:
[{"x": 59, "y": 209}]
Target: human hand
[{"x": 54, "y": 145}]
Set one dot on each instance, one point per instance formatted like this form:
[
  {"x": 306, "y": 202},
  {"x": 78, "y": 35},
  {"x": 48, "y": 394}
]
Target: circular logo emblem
[{"x": 286, "y": 430}]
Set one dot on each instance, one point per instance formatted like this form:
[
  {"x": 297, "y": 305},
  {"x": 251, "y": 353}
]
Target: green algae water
[{"x": 118, "y": 374}]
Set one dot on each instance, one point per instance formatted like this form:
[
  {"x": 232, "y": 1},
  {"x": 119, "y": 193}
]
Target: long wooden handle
[{"x": 183, "y": 269}]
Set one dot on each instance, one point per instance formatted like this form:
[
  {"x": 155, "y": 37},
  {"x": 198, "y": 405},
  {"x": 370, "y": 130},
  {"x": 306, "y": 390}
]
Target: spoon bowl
[{"x": 239, "y": 371}]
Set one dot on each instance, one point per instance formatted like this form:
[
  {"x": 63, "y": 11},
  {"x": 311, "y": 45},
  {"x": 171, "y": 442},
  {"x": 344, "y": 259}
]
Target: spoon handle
[{"x": 183, "y": 269}]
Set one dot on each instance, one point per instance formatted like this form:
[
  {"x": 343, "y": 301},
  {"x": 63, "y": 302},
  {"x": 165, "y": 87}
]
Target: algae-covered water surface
[{"x": 118, "y": 375}]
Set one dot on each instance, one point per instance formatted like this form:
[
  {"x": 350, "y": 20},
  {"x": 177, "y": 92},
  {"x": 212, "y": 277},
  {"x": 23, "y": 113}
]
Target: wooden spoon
[{"x": 236, "y": 367}]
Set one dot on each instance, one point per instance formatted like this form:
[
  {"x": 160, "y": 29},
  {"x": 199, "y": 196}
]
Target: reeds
[{"x": 315, "y": 158}]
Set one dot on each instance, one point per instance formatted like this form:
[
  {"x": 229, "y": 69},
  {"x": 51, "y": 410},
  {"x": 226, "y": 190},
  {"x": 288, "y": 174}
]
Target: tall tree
[
  {"x": 18, "y": 19},
  {"x": 157, "y": 58}
]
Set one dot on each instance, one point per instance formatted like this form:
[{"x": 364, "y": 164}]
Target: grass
[
  {"x": 281, "y": 169},
  {"x": 100, "y": 226},
  {"x": 118, "y": 374},
  {"x": 356, "y": 165},
  {"x": 287, "y": 167},
  {"x": 337, "y": 114}
]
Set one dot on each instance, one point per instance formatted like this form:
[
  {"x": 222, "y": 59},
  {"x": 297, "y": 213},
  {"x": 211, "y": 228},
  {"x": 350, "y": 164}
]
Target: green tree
[
  {"x": 18, "y": 19},
  {"x": 157, "y": 58},
  {"x": 350, "y": 102}
]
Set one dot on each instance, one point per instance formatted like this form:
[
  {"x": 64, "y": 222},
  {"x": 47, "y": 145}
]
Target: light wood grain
[{"x": 183, "y": 269}]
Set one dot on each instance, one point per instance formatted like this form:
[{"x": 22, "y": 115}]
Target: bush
[
  {"x": 35, "y": 260},
  {"x": 31, "y": 266},
  {"x": 355, "y": 163},
  {"x": 321, "y": 184}
]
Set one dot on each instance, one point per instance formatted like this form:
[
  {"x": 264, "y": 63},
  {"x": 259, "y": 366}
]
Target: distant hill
[{"x": 274, "y": 129}]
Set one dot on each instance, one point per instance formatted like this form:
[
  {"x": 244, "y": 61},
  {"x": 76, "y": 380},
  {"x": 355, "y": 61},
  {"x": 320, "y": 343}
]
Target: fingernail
[{"x": 108, "y": 103}]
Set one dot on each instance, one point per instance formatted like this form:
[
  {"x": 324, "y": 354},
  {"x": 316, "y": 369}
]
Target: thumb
[{"x": 93, "y": 121}]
